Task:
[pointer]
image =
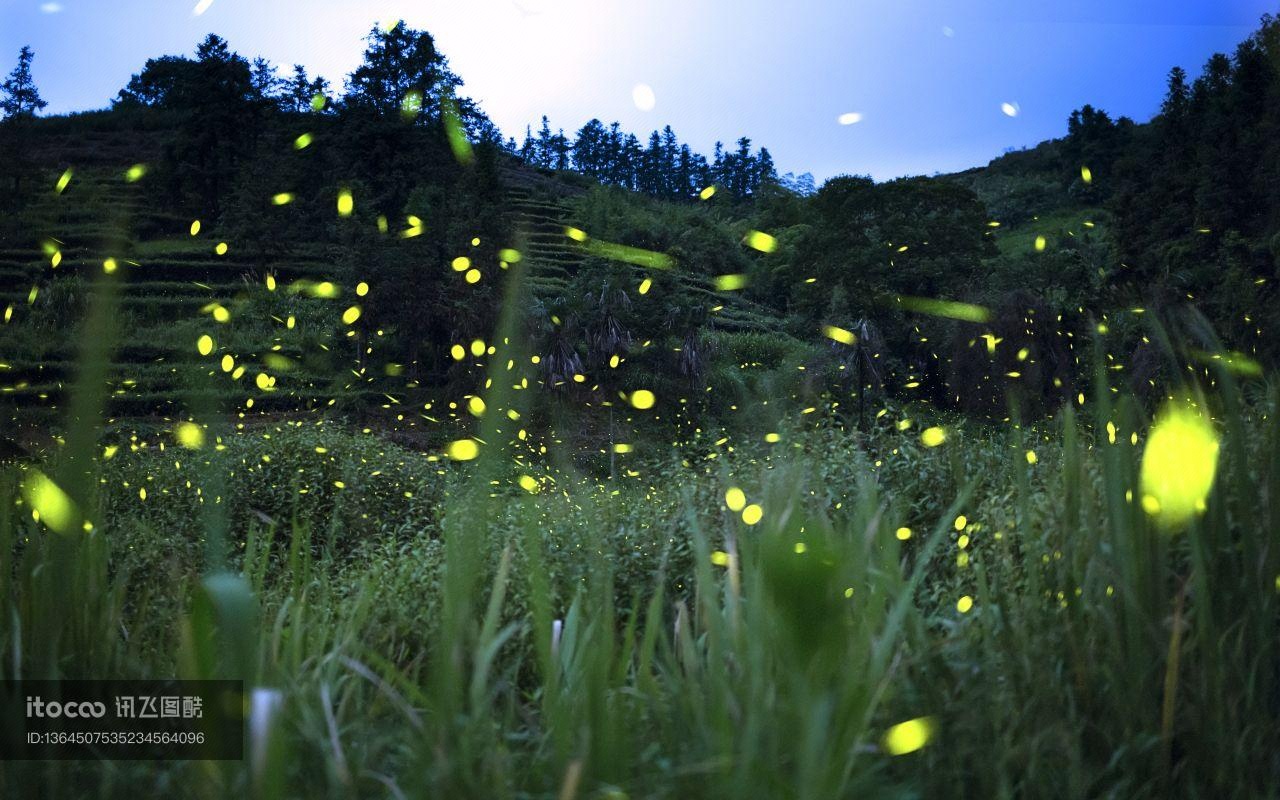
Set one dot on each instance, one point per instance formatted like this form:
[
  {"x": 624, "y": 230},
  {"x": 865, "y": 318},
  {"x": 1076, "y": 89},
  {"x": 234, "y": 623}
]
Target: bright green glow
[
  {"x": 628, "y": 255},
  {"x": 346, "y": 203},
  {"x": 839, "y": 334},
  {"x": 510, "y": 255},
  {"x": 463, "y": 450},
  {"x": 735, "y": 499},
  {"x": 456, "y": 133},
  {"x": 324, "y": 289},
  {"x": 965, "y": 312},
  {"x": 642, "y": 399},
  {"x": 730, "y": 283},
  {"x": 411, "y": 105},
  {"x": 908, "y": 737},
  {"x": 932, "y": 437},
  {"x": 282, "y": 199},
  {"x": 1234, "y": 361},
  {"x": 135, "y": 173},
  {"x": 189, "y": 435},
  {"x": 63, "y": 181},
  {"x": 319, "y": 101},
  {"x": 46, "y": 498},
  {"x": 302, "y": 142},
  {"x": 761, "y": 241},
  {"x": 1179, "y": 464}
]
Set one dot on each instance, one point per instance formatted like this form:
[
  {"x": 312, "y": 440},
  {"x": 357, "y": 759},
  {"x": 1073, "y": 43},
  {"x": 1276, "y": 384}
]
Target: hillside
[{"x": 169, "y": 287}]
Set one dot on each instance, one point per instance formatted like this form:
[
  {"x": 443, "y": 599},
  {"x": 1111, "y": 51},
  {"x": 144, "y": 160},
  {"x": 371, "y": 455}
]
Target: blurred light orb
[
  {"x": 1011, "y": 109},
  {"x": 908, "y": 737},
  {"x": 644, "y": 98},
  {"x": 851, "y": 118},
  {"x": 1179, "y": 465}
]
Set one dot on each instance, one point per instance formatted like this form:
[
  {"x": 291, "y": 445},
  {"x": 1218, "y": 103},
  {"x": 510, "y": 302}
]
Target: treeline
[
  {"x": 1194, "y": 197},
  {"x": 664, "y": 168}
]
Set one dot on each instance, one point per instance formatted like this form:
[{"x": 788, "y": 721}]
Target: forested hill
[{"x": 349, "y": 250}]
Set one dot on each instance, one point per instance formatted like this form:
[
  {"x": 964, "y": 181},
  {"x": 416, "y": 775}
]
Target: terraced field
[
  {"x": 104, "y": 239},
  {"x": 543, "y": 211},
  {"x": 165, "y": 287}
]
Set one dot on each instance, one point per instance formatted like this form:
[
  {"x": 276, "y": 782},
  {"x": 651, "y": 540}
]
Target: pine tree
[
  {"x": 669, "y": 165},
  {"x": 589, "y": 155},
  {"x": 765, "y": 172},
  {"x": 267, "y": 84},
  {"x": 613, "y": 153},
  {"x": 299, "y": 91},
  {"x": 21, "y": 98},
  {"x": 649, "y": 178},
  {"x": 629, "y": 161},
  {"x": 686, "y": 174},
  {"x": 542, "y": 151},
  {"x": 1178, "y": 99},
  {"x": 560, "y": 151}
]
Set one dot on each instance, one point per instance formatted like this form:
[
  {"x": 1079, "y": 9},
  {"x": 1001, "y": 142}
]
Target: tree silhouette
[
  {"x": 20, "y": 97},
  {"x": 398, "y": 63},
  {"x": 19, "y": 100}
]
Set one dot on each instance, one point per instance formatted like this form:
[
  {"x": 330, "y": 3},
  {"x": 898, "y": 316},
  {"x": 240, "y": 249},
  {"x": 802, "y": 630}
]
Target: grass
[{"x": 434, "y": 630}]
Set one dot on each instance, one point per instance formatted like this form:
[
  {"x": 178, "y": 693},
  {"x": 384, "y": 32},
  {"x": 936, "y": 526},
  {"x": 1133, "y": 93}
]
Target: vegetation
[{"x": 589, "y": 470}]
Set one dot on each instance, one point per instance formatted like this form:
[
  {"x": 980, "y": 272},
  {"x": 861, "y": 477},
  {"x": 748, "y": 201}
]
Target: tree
[
  {"x": 765, "y": 170},
  {"x": 397, "y": 63},
  {"x": 220, "y": 123},
  {"x": 164, "y": 82},
  {"x": 662, "y": 168},
  {"x": 589, "y": 150},
  {"x": 301, "y": 92},
  {"x": 21, "y": 99},
  {"x": 267, "y": 83},
  {"x": 1177, "y": 100},
  {"x": 542, "y": 148}
]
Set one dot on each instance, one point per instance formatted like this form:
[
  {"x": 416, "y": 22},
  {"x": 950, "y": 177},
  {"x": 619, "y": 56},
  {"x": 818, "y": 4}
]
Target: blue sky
[{"x": 928, "y": 77}]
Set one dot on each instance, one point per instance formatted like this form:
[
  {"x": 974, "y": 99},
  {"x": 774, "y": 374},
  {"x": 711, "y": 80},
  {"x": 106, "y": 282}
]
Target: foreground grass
[{"x": 635, "y": 638}]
